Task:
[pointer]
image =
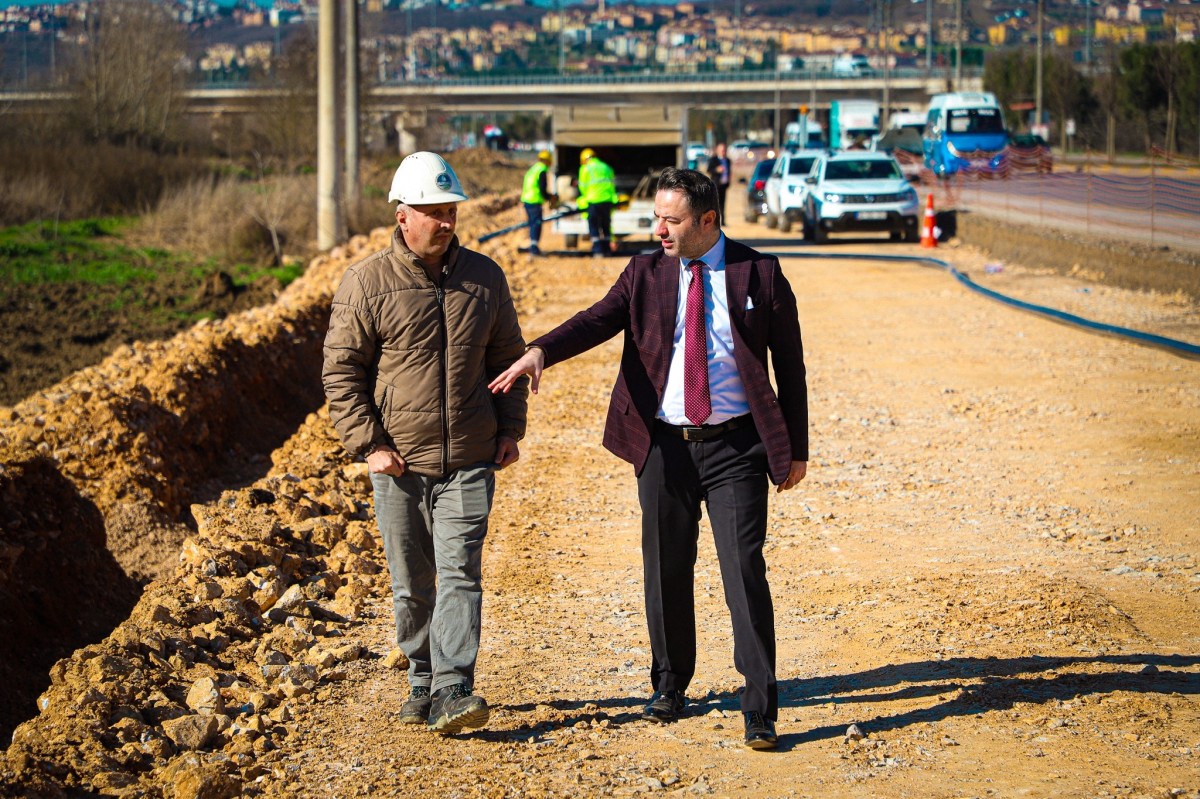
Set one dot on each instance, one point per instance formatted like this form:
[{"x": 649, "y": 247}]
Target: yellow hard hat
[
  {"x": 544, "y": 155},
  {"x": 585, "y": 154}
]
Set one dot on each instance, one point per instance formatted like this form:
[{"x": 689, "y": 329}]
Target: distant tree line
[{"x": 1135, "y": 99}]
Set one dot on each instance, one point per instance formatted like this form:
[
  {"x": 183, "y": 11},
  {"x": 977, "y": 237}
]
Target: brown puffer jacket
[{"x": 407, "y": 363}]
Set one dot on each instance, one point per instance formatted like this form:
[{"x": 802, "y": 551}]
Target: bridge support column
[{"x": 406, "y": 139}]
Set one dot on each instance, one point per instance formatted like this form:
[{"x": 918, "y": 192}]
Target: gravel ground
[
  {"x": 990, "y": 570},
  {"x": 986, "y": 586}
]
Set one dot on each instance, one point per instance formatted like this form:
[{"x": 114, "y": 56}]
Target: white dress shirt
[{"x": 724, "y": 385}]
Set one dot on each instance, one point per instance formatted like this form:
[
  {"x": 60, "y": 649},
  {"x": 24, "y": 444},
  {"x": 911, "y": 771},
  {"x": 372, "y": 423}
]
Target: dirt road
[{"x": 990, "y": 570}]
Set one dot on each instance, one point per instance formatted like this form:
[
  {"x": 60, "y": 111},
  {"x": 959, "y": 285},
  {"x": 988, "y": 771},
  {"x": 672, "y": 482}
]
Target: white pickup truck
[{"x": 637, "y": 142}]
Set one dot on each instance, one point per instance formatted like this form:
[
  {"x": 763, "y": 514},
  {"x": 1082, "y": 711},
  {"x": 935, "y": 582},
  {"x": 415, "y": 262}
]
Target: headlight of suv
[
  {"x": 831, "y": 197},
  {"x": 909, "y": 195}
]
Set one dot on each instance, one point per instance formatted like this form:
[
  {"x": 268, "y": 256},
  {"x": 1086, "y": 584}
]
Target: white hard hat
[{"x": 425, "y": 179}]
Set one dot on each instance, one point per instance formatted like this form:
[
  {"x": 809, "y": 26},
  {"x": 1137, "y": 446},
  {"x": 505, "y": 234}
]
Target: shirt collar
[{"x": 714, "y": 259}]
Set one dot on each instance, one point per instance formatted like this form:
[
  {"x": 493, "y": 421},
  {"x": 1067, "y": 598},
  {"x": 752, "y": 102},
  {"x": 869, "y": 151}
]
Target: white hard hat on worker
[
  {"x": 425, "y": 179},
  {"x": 427, "y": 193}
]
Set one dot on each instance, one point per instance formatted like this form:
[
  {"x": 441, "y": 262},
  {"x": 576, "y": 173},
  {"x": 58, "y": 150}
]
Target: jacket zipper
[{"x": 441, "y": 300}]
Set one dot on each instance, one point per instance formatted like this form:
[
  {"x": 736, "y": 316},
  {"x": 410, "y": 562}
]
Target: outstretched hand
[{"x": 528, "y": 364}]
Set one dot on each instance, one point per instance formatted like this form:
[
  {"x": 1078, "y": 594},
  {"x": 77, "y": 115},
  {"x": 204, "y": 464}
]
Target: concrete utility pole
[
  {"x": 1087, "y": 38},
  {"x": 887, "y": 88},
  {"x": 737, "y": 29},
  {"x": 1037, "y": 103},
  {"x": 336, "y": 187},
  {"x": 562, "y": 48},
  {"x": 353, "y": 179},
  {"x": 329, "y": 213},
  {"x": 928, "y": 38},
  {"x": 958, "y": 46},
  {"x": 775, "y": 141}
]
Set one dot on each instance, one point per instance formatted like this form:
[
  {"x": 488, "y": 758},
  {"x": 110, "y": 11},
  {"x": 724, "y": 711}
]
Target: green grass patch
[
  {"x": 245, "y": 274},
  {"x": 82, "y": 251},
  {"x": 287, "y": 273}
]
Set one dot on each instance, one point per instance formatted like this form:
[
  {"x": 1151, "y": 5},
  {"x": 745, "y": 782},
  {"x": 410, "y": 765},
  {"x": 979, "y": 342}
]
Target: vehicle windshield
[
  {"x": 647, "y": 187},
  {"x": 874, "y": 169},
  {"x": 975, "y": 120},
  {"x": 800, "y": 166}
]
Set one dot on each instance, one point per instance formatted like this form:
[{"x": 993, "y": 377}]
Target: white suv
[
  {"x": 785, "y": 189},
  {"x": 857, "y": 190}
]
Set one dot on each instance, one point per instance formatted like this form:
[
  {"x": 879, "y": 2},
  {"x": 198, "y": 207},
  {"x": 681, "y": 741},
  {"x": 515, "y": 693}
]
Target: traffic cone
[{"x": 928, "y": 231}]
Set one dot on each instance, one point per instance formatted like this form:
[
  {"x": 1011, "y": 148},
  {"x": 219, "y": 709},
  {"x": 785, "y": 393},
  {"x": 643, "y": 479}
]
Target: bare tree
[
  {"x": 1067, "y": 93},
  {"x": 127, "y": 78},
  {"x": 266, "y": 205},
  {"x": 1108, "y": 94},
  {"x": 284, "y": 129},
  {"x": 1169, "y": 69}
]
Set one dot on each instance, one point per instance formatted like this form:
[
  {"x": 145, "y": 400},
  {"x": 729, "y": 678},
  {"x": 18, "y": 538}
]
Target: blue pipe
[{"x": 1174, "y": 346}]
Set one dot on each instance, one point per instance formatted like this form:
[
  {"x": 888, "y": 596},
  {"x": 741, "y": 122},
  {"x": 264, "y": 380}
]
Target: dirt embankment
[
  {"x": 990, "y": 572},
  {"x": 100, "y": 471},
  {"x": 1105, "y": 262}
]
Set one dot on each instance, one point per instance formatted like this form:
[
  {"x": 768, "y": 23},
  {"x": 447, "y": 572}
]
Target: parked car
[
  {"x": 756, "y": 198},
  {"x": 697, "y": 155},
  {"x": 786, "y": 189},
  {"x": 852, "y": 66},
  {"x": 747, "y": 150},
  {"x": 903, "y": 144},
  {"x": 1030, "y": 152},
  {"x": 859, "y": 191}
]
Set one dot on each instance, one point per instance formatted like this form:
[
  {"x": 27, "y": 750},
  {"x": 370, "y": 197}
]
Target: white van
[
  {"x": 852, "y": 66},
  {"x": 814, "y": 135}
]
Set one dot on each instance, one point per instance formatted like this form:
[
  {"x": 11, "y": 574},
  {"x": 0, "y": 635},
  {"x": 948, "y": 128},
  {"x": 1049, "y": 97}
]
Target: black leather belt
[{"x": 704, "y": 432}]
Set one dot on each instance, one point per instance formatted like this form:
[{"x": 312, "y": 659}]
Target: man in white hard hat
[{"x": 416, "y": 332}]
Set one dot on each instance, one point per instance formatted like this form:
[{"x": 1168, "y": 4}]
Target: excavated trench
[{"x": 98, "y": 474}]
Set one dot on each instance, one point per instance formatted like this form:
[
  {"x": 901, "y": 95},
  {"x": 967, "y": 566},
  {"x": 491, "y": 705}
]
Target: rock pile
[{"x": 203, "y": 678}]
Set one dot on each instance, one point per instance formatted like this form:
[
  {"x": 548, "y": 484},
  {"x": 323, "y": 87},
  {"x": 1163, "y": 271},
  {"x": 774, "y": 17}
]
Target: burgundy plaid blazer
[{"x": 642, "y": 304}]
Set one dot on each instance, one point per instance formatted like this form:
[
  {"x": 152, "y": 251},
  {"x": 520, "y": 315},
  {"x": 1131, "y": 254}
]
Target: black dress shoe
[
  {"x": 664, "y": 706},
  {"x": 760, "y": 731}
]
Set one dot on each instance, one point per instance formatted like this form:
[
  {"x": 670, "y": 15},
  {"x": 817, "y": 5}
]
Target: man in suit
[{"x": 694, "y": 411}]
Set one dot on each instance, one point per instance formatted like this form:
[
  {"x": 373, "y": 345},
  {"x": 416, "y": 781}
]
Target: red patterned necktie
[{"x": 697, "y": 405}]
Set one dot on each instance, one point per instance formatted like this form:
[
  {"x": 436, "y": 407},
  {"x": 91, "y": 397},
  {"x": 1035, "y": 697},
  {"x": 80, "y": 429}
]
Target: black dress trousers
[{"x": 728, "y": 474}]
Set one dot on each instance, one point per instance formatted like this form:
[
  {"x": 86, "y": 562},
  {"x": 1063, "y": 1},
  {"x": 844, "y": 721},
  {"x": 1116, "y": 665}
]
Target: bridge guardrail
[{"x": 667, "y": 78}]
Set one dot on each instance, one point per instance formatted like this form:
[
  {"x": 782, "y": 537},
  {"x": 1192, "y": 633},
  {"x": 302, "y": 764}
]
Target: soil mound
[{"x": 113, "y": 458}]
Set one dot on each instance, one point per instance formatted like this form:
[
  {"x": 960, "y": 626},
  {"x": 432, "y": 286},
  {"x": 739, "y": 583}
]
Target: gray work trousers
[{"x": 433, "y": 530}]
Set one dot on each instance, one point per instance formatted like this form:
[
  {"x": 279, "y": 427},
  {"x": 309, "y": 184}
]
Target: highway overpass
[{"x": 519, "y": 93}]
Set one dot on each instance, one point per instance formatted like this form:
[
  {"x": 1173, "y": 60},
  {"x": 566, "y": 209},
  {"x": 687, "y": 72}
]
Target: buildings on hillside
[{"x": 687, "y": 36}]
